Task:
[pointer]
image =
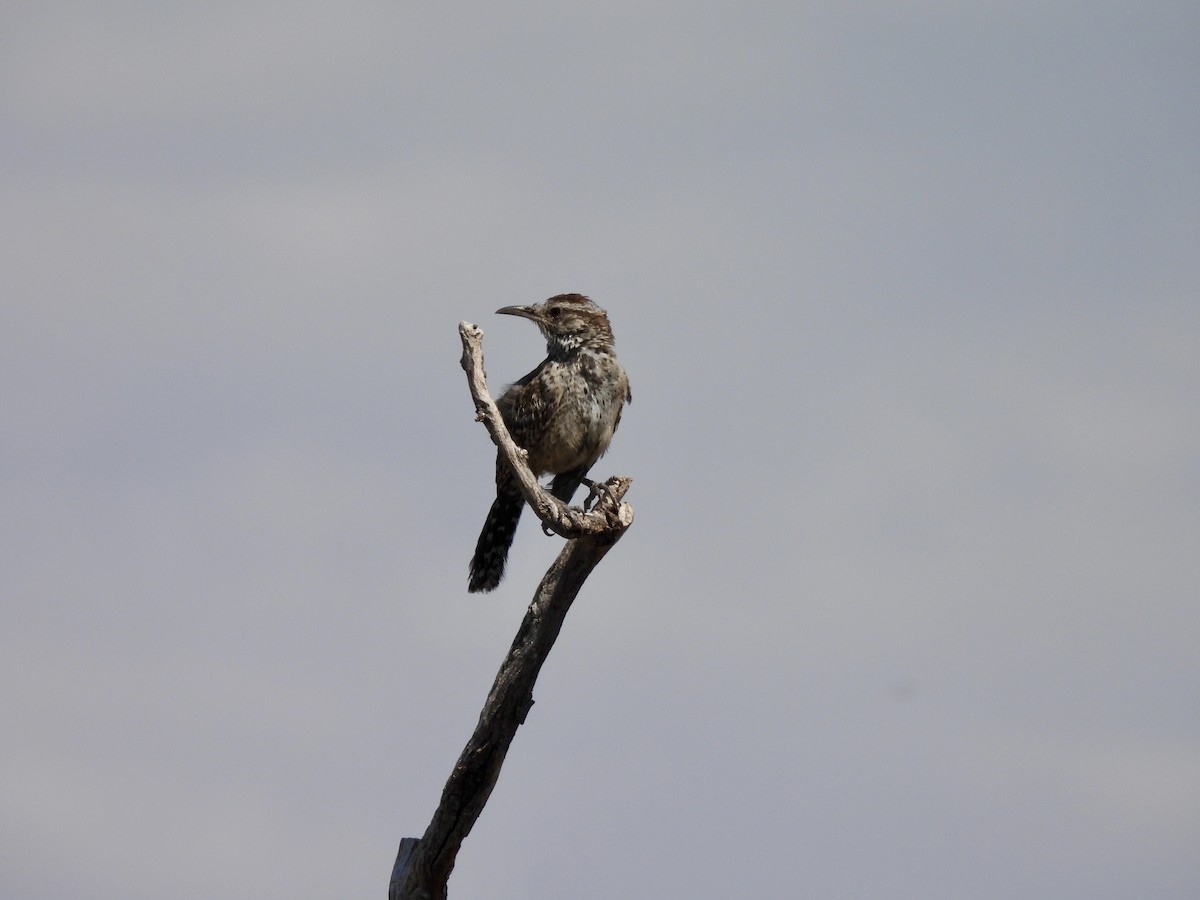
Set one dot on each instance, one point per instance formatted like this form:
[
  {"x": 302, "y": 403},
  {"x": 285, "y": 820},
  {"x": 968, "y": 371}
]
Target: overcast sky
[{"x": 907, "y": 293}]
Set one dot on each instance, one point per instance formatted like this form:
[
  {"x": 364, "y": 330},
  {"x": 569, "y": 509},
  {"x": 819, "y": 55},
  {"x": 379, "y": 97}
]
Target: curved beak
[{"x": 527, "y": 312}]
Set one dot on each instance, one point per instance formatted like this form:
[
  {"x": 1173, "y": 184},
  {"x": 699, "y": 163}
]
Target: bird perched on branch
[{"x": 563, "y": 414}]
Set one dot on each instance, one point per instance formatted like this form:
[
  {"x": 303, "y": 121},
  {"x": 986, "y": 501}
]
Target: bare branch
[{"x": 423, "y": 867}]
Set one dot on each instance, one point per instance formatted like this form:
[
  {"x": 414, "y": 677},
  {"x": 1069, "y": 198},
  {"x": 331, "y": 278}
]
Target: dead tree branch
[{"x": 423, "y": 867}]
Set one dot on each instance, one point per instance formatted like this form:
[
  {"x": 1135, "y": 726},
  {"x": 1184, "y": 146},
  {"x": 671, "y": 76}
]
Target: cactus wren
[{"x": 563, "y": 414}]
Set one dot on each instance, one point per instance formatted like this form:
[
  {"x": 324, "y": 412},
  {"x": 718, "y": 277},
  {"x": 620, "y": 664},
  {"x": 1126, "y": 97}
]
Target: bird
[{"x": 563, "y": 414}]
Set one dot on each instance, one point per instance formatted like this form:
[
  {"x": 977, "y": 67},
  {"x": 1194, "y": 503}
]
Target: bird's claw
[{"x": 597, "y": 491}]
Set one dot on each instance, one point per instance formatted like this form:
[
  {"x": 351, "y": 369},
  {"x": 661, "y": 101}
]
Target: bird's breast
[{"x": 588, "y": 395}]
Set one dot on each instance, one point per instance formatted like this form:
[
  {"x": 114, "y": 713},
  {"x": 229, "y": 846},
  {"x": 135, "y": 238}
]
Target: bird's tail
[{"x": 491, "y": 551}]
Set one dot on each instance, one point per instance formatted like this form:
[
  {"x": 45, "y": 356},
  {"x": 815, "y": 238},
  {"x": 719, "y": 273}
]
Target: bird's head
[{"x": 567, "y": 321}]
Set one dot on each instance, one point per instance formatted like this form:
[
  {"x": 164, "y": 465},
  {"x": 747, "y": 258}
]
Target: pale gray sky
[{"x": 907, "y": 294}]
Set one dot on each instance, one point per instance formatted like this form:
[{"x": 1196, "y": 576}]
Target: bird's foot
[{"x": 597, "y": 491}]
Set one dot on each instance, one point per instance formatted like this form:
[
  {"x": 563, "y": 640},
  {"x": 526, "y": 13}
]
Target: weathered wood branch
[{"x": 423, "y": 867}]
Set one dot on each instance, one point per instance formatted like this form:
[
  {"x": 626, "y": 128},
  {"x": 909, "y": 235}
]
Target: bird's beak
[{"x": 527, "y": 312}]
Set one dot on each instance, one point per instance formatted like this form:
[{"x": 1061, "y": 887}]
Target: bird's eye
[{"x": 555, "y": 311}]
